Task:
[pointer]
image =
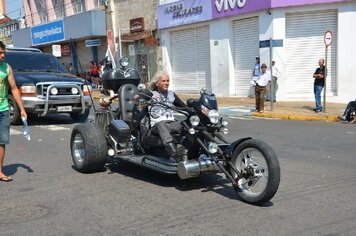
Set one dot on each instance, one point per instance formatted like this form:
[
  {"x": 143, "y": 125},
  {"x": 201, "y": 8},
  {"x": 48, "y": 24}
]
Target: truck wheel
[
  {"x": 80, "y": 117},
  {"x": 88, "y": 147},
  {"x": 15, "y": 115}
]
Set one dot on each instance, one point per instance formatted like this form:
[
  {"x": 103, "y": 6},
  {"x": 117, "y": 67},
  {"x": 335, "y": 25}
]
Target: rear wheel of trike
[
  {"x": 261, "y": 172},
  {"x": 88, "y": 147}
]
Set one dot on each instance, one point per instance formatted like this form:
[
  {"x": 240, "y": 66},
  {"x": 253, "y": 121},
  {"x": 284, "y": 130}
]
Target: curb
[{"x": 296, "y": 117}]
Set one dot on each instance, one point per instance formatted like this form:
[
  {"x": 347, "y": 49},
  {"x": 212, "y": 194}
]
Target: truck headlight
[
  {"x": 54, "y": 91},
  {"x": 28, "y": 90},
  {"x": 74, "y": 91}
]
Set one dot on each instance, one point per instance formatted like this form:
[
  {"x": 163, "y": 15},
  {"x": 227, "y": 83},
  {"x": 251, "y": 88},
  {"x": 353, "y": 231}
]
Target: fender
[{"x": 230, "y": 149}]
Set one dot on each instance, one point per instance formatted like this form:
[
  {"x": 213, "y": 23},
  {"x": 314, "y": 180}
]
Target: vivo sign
[
  {"x": 229, "y": 4},
  {"x": 223, "y": 8}
]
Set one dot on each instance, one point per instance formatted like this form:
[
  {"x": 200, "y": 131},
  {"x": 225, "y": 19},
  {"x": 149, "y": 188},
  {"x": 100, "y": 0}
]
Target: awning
[{"x": 131, "y": 37}]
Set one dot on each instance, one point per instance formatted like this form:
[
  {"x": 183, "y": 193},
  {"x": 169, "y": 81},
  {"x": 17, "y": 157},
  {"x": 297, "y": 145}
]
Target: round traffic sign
[{"x": 328, "y": 38}]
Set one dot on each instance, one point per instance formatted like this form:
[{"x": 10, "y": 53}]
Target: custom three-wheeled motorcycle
[{"x": 124, "y": 133}]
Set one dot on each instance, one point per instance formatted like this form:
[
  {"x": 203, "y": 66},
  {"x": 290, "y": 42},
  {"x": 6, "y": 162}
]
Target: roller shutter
[
  {"x": 190, "y": 60},
  {"x": 305, "y": 46},
  {"x": 246, "y": 48}
]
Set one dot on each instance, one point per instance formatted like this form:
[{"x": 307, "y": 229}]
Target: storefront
[
  {"x": 82, "y": 38},
  {"x": 187, "y": 47},
  {"x": 140, "y": 46},
  {"x": 238, "y": 32}
]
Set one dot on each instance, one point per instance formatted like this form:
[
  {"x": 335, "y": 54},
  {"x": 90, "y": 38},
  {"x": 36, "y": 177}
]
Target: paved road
[{"x": 48, "y": 197}]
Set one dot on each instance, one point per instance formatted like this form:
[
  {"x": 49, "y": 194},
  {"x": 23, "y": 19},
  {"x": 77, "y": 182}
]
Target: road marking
[
  {"x": 14, "y": 131},
  {"x": 242, "y": 117},
  {"x": 47, "y": 127},
  {"x": 52, "y": 127},
  {"x": 252, "y": 118}
]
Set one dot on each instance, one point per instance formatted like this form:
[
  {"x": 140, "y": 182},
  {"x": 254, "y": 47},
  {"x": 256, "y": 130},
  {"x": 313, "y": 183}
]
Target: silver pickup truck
[{"x": 46, "y": 87}]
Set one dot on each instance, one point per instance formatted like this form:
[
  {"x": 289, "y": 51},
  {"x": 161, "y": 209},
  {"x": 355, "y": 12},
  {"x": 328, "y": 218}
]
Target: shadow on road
[
  {"x": 206, "y": 183},
  {"x": 12, "y": 169}
]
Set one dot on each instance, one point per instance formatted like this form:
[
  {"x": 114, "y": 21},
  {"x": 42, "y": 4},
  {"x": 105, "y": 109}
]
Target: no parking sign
[
  {"x": 56, "y": 50},
  {"x": 328, "y": 38}
]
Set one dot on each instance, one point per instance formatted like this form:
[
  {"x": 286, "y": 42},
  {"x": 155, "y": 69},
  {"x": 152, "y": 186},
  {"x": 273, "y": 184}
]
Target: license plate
[{"x": 64, "y": 108}]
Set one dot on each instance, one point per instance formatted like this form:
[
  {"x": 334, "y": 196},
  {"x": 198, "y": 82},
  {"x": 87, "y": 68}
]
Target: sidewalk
[{"x": 296, "y": 110}]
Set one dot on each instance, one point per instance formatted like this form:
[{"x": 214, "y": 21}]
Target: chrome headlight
[
  {"x": 214, "y": 116},
  {"x": 124, "y": 61},
  {"x": 194, "y": 120},
  {"x": 224, "y": 121},
  {"x": 54, "y": 91}
]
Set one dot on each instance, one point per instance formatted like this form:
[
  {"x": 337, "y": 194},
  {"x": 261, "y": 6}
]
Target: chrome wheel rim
[
  {"x": 78, "y": 148},
  {"x": 252, "y": 163}
]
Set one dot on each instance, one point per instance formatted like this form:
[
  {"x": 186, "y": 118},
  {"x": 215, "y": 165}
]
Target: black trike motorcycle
[{"x": 124, "y": 133}]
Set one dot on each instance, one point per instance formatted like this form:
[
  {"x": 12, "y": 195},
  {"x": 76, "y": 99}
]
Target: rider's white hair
[{"x": 152, "y": 85}]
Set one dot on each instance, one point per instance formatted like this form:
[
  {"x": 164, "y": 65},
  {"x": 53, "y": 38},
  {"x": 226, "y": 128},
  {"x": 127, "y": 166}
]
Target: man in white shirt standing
[
  {"x": 271, "y": 95},
  {"x": 262, "y": 85}
]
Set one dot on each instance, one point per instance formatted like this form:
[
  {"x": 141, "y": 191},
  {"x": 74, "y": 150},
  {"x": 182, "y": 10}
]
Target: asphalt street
[{"x": 48, "y": 197}]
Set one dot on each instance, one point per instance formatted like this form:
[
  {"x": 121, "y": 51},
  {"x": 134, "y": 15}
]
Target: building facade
[
  {"x": 79, "y": 27},
  {"x": 135, "y": 26},
  {"x": 213, "y": 44}
]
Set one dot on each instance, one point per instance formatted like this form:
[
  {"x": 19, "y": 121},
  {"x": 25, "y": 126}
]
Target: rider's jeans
[
  {"x": 165, "y": 128},
  {"x": 317, "y": 92}
]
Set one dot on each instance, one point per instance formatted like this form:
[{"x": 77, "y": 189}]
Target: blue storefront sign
[
  {"x": 47, "y": 33},
  {"x": 93, "y": 43}
]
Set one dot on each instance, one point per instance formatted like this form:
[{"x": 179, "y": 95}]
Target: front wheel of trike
[{"x": 260, "y": 170}]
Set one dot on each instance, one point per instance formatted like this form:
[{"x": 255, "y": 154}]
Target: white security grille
[
  {"x": 304, "y": 46},
  {"x": 190, "y": 60},
  {"x": 246, "y": 48}
]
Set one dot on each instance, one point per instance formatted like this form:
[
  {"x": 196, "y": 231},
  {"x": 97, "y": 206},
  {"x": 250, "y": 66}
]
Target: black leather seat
[{"x": 127, "y": 103}]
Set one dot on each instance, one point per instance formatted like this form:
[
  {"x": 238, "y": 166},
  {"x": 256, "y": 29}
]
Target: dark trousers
[
  {"x": 260, "y": 92},
  {"x": 350, "y": 110},
  {"x": 165, "y": 129}
]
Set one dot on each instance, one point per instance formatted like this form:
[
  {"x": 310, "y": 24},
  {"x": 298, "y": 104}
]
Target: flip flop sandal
[{"x": 6, "y": 179}]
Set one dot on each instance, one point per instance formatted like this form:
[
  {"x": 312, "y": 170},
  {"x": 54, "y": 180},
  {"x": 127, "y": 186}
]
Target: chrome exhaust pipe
[{"x": 193, "y": 168}]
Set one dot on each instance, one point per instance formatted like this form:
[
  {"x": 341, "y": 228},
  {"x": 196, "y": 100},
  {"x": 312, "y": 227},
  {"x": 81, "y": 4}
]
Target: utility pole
[{"x": 110, "y": 31}]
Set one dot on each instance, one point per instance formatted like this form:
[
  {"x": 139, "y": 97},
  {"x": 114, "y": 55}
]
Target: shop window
[
  {"x": 78, "y": 6},
  {"x": 58, "y": 6},
  {"x": 99, "y": 3}
]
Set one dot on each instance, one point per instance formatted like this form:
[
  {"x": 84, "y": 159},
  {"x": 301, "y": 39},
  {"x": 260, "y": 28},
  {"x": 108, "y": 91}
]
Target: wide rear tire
[
  {"x": 88, "y": 147},
  {"x": 255, "y": 156}
]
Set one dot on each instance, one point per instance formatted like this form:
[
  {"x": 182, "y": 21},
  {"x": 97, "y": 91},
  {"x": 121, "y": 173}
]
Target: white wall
[
  {"x": 346, "y": 62},
  {"x": 221, "y": 58},
  {"x": 273, "y": 26}
]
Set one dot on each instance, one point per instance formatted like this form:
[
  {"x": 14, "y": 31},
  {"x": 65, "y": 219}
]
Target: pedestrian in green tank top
[{"x": 7, "y": 81}]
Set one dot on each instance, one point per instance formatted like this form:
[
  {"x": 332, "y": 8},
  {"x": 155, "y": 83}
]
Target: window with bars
[
  {"x": 78, "y": 6},
  {"x": 99, "y": 3}
]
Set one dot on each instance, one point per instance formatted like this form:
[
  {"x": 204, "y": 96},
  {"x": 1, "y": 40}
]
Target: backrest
[{"x": 126, "y": 93}]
